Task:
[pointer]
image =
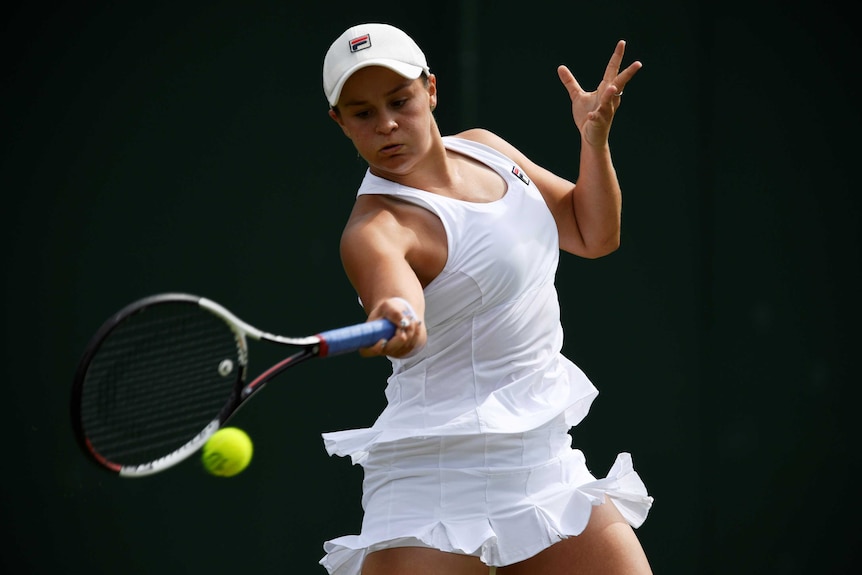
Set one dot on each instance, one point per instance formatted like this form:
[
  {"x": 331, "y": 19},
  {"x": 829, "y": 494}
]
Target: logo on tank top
[
  {"x": 360, "y": 43},
  {"x": 521, "y": 175}
]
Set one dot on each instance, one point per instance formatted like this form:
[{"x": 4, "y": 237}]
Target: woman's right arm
[{"x": 374, "y": 251}]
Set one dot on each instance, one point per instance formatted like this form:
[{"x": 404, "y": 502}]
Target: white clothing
[
  {"x": 492, "y": 363},
  {"x": 500, "y": 497},
  {"x": 472, "y": 453}
]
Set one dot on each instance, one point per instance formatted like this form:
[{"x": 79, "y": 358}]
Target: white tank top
[{"x": 492, "y": 363}]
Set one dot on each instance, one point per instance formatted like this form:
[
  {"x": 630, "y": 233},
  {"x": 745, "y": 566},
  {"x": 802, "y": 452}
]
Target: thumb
[{"x": 568, "y": 80}]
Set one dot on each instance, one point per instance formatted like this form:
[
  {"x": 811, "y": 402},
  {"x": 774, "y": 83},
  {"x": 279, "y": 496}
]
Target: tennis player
[{"x": 469, "y": 469}]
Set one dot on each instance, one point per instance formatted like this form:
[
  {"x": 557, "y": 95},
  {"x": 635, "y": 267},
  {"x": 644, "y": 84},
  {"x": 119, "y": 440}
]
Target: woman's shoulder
[
  {"x": 488, "y": 139},
  {"x": 374, "y": 214},
  {"x": 479, "y": 136}
]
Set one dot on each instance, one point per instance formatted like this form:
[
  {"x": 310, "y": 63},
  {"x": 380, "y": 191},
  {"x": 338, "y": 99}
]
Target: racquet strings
[{"x": 156, "y": 380}]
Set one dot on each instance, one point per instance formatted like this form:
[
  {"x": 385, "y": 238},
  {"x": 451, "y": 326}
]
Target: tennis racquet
[{"x": 167, "y": 371}]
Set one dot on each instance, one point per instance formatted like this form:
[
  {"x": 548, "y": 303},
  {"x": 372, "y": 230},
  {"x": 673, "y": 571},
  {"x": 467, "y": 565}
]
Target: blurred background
[{"x": 185, "y": 146}]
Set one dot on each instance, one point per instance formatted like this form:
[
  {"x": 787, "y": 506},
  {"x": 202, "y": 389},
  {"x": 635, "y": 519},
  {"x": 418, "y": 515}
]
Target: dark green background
[{"x": 185, "y": 146}]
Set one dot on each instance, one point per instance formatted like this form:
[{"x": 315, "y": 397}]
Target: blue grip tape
[{"x": 351, "y": 338}]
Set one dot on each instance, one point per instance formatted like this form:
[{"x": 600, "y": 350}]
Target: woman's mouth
[{"x": 391, "y": 149}]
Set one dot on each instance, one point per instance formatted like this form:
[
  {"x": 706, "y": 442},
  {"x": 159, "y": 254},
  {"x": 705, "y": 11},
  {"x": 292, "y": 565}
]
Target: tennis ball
[{"x": 227, "y": 452}]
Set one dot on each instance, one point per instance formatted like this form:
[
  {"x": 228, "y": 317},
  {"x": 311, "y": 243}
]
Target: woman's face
[{"x": 388, "y": 118}]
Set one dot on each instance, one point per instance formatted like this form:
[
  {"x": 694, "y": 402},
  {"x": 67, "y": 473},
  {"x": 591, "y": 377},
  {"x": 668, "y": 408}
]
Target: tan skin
[{"x": 392, "y": 249}]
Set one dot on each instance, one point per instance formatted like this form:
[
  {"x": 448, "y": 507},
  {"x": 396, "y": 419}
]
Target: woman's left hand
[{"x": 593, "y": 112}]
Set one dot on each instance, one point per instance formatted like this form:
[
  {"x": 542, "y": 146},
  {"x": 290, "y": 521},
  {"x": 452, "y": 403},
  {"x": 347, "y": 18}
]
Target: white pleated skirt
[{"x": 500, "y": 497}]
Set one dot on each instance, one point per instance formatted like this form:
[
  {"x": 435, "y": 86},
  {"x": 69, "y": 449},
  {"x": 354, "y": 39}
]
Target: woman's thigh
[
  {"x": 608, "y": 546},
  {"x": 421, "y": 561}
]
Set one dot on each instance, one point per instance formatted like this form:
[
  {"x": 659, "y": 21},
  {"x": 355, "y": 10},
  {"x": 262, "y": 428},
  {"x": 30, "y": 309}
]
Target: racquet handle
[{"x": 351, "y": 338}]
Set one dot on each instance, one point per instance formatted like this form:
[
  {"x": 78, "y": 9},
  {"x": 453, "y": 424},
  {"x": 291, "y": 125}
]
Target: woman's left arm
[{"x": 587, "y": 214}]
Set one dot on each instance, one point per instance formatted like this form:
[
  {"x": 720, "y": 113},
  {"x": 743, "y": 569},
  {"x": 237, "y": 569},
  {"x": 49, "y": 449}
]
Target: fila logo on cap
[{"x": 360, "y": 43}]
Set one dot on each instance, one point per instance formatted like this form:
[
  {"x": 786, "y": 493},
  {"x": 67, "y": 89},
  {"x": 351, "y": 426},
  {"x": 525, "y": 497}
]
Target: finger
[
  {"x": 407, "y": 314},
  {"x": 626, "y": 75},
  {"x": 378, "y": 348},
  {"x": 615, "y": 62},
  {"x": 609, "y": 100},
  {"x": 569, "y": 81}
]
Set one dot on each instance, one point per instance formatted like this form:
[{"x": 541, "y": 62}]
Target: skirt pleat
[{"x": 500, "y": 497}]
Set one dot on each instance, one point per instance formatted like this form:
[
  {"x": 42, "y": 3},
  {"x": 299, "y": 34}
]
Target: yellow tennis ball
[{"x": 227, "y": 452}]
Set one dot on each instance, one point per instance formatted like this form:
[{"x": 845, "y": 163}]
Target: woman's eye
[{"x": 399, "y": 103}]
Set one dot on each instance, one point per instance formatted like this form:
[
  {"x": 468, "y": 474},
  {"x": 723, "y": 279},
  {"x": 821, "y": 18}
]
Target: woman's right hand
[{"x": 410, "y": 335}]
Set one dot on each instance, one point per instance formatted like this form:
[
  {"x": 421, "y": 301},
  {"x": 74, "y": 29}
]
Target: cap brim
[{"x": 409, "y": 71}]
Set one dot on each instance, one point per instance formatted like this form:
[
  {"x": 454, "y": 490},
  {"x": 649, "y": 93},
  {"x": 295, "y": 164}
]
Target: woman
[{"x": 469, "y": 469}]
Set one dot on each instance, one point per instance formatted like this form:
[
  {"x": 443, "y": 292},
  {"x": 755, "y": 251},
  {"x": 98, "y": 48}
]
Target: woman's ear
[
  {"x": 432, "y": 91},
  {"x": 337, "y": 119}
]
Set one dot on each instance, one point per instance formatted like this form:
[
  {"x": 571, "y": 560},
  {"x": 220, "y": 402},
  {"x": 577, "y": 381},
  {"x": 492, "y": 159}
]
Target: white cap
[{"x": 370, "y": 45}]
